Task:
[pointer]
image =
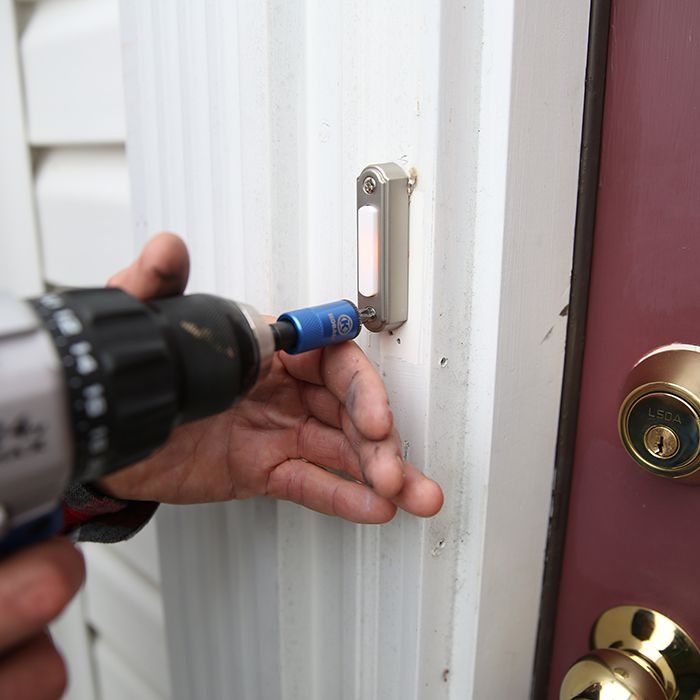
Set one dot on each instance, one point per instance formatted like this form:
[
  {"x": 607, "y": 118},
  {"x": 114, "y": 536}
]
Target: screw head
[{"x": 369, "y": 185}]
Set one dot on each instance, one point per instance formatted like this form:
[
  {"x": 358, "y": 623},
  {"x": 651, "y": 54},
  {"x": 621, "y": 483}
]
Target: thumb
[{"x": 161, "y": 270}]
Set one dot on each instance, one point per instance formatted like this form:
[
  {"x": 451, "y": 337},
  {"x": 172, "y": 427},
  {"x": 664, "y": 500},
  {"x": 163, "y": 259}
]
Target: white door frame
[{"x": 247, "y": 124}]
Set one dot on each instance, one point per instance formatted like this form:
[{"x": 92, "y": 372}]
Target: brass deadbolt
[
  {"x": 659, "y": 419},
  {"x": 638, "y": 654}
]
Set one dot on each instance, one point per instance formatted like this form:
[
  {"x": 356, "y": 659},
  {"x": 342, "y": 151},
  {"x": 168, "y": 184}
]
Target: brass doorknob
[
  {"x": 638, "y": 654},
  {"x": 659, "y": 419}
]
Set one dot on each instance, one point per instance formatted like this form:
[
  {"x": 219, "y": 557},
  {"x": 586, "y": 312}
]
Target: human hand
[
  {"x": 326, "y": 407},
  {"x": 35, "y": 585}
]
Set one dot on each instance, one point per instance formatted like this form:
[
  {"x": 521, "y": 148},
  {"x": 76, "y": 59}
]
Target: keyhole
[
  {"x": 661, "y": 442},
  {"x": 660, "y": 445}
]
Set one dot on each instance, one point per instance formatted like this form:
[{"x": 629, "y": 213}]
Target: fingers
[
  {"x": 349, "y": 375},
  {"x": 329, "y": 447},
  {"x": 35, "y": 586},
  {"x": 376, "y": 462},
  {"x": 379, "y": 463},
  {"x": 420, "y": 495},
  {"x": 322, "y": 404},
  {"x": 34, "y": 671},
  {"x": 306, "y": 484},
  {"x": 161, "y": 270},
  {"x": 380, "y": 460}
]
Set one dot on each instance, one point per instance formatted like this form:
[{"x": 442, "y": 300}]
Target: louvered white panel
[
  {"x": 71, "y": 59},
  {"x": 72, "y": 637},
  {"x": 82, "y": 199},
  {"x": 116, "y": 679},
  {"x": 20, "y": 269},
  {"x": 71, "y": 65},
  {"x": 126, "y": 611},
  {"x": 248, "y": 123}
]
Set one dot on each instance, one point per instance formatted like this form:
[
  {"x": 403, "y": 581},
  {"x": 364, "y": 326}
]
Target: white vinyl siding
[
  {"x": 20, "y": 264},
  {"x": 125, "y": 610},
  {"x": 66, "y": 220},
  {"x": 71, "y": 61},
  {"x": 83, "y": 208}
]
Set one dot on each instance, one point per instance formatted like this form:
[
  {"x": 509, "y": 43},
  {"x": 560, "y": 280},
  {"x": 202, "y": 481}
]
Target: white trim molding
[{"x": 247, "y": 124}]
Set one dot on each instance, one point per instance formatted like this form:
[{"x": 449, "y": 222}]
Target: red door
[{"x": 632, "y": 537}]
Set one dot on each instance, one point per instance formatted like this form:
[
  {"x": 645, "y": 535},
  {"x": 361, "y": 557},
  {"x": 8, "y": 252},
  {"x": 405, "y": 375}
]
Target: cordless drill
[{"x": 94, "y": 380}]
